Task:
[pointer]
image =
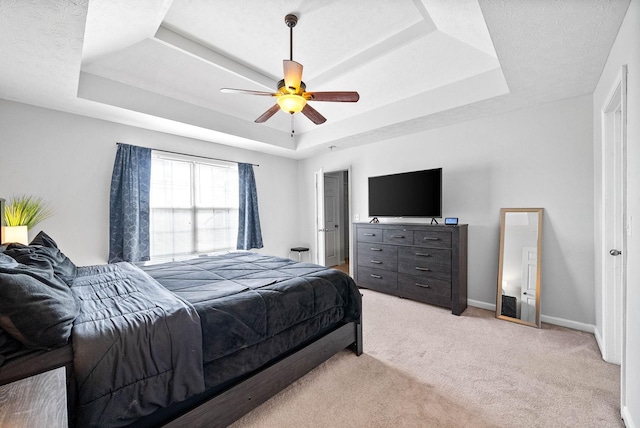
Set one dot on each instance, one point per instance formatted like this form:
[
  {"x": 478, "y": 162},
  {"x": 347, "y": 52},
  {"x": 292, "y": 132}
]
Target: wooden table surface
[{"x": 36, "y": 401}]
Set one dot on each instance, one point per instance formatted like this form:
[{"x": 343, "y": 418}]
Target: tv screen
[{"x": 409, "y": 194}]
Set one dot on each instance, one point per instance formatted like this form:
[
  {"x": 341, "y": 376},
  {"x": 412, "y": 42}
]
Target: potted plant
[{"x": 21, "y": 213}]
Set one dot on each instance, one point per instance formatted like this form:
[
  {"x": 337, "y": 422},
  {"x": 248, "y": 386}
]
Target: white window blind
[{"x": 194, "y": 206}]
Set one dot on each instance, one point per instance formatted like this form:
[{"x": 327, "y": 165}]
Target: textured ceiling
[{"x": 417, "y": 64}]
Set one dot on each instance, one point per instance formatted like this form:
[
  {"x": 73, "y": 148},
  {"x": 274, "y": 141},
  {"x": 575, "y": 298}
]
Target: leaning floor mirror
[{"x": 518, "y": 298}]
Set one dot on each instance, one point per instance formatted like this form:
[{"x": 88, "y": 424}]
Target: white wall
[
  {"x": 68, "y": 159},
  {"x": 535, "y": 157},
  {"x": 626, "y": 50}
]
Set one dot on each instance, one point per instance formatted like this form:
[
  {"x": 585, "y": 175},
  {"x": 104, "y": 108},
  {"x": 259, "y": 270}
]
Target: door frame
[
  {"x": 319, "y": 213},
  {"x": 339, "y": 243},
  {"x": 613, "y": 301}
]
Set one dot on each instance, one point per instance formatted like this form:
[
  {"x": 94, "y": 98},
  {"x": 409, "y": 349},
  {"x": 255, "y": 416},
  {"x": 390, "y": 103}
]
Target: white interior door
[
  {"x": 332, "y": 229},
  {"x": 528, "y": 285},
  {"x": 614, "y": 225},
  {"x": 320, "y": 221}
]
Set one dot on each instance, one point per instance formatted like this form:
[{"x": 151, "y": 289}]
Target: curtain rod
[{"x": 187, "y": 154}]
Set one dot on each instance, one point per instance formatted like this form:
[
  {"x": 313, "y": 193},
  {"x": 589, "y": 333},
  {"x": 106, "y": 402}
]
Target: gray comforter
[
  {"x": 153, "y": 336},
  {"x": 253, "y": 307},
  {"x": 141, "y": 338}
]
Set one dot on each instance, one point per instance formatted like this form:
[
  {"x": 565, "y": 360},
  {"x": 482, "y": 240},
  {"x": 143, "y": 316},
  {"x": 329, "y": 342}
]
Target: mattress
[{"x": 255, "y": 307}]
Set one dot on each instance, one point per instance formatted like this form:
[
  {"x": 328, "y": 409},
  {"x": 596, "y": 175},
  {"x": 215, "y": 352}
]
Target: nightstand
[{"x": 35, "y": 401}]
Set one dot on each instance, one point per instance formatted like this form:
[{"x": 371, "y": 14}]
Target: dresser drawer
[
  {"x": 378, "y": 279},
  {"x": 366, "y": 234},
  {"x": 425, "y": 262},
  {"x": 432, "y": 238},
  {"x": 379, "y": 256},
  {"x": 429, "y": 290},
  {"x": 398, "y": 236}
]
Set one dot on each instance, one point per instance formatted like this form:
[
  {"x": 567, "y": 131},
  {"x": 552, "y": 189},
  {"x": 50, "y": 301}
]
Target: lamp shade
[
  {"x": 291, "y": 103},
  {"x": 19, "y": 234}
]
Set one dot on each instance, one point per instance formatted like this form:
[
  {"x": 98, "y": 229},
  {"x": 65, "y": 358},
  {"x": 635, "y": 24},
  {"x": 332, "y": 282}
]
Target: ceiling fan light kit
[
  {"x": 292, "y": 95},
  {"x": 291, "y": 103}
]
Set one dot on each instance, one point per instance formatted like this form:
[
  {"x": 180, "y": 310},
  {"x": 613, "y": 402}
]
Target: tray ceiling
[{"x": 417, "y": 64}]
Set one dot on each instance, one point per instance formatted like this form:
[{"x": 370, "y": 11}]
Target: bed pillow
[
  {"x": 36, "y": 306},
  {"x": 43, "y": 253}
]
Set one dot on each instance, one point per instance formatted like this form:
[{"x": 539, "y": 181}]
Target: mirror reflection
[{"x": 518, "y": 296}]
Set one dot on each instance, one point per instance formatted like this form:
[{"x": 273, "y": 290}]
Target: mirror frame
[{"x": 503, "y": 212}]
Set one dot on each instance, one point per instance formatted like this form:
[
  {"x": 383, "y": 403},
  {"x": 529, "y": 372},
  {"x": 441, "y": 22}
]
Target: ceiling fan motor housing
[{"x": 283, "y": 88}]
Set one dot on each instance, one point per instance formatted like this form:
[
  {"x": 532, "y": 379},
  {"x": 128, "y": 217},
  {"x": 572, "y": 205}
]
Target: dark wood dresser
[{"x": 427, "y": 263}]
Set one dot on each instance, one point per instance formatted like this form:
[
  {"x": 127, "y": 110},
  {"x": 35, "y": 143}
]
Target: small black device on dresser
[{"x": 422, "y": 262}]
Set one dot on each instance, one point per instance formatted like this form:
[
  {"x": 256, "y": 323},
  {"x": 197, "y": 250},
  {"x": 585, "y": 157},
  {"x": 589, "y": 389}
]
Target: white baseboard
[
  {"x": 576, "y": 325},
  {"x": 626, "y": 417},
  {"x": 482, "y": 305}
]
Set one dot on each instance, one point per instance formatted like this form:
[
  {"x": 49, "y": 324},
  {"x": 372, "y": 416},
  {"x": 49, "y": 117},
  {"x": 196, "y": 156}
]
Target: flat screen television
[{"x": 408, "y": 194}]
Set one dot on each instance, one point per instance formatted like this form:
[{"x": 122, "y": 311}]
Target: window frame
[{"x": 194, "y": 207}]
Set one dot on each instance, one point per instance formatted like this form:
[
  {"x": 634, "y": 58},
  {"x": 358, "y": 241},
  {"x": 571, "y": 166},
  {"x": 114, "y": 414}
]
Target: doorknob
[{"x": 615, "y": 252}]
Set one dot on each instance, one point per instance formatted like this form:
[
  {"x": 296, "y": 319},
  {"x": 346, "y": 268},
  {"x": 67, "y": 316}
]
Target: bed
[{"x": 197, "y": 342}]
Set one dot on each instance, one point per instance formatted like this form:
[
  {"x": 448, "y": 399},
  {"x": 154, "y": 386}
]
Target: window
[{"x": 194, "y": 206}]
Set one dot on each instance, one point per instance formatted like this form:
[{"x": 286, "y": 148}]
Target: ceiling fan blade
[
  {"x": 341, "y": 96},
  {"x": 292, "y": 75},
  {"x": 247, "y": 92},
  {"x": 313, "y": 115},
  {"x": 267, "y": 114}
]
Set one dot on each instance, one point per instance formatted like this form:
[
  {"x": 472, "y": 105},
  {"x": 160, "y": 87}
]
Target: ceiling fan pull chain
[{"x": 292, "y": 130}]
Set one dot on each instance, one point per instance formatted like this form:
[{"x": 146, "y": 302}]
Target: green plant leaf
[{"x": 26, "y": 210}]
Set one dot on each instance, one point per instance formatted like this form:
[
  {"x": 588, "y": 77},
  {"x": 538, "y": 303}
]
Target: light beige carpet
[{"x": 424, "y": 367}]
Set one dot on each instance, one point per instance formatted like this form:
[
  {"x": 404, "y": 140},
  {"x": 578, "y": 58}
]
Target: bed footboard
[
  {"x": 226, "y": 407},
  {"x": 235, "y": 402}
]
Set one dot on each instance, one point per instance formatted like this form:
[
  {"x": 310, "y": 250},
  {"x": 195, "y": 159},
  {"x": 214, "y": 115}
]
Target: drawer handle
[
  {"x": 376, "y": 276},
  {"x": 423, "y": 269},
  {"x": 397, "y": 236},
  {"x": 378, "y": 262},
  {"x": 422, "y": 285},
  {"x": 369, "y": 234},
  {"x": 426, "y": 238},
  {"x": 376, "y": 249},
  {"x": 423, "y": 254}
]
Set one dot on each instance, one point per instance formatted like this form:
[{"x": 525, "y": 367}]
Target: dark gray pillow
[
  {"x": 43, "y": 253},
  {"x": 36, "y": 306}
]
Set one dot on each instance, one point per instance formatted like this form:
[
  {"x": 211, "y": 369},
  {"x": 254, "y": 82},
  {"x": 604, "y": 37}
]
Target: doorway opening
[{"x": 333, "y": 208}]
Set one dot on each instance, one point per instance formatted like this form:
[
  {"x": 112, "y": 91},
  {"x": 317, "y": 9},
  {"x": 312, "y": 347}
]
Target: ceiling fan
[{"x": 292, "y": 95}]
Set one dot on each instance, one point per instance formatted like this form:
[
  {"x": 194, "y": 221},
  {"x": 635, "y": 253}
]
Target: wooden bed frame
[{"x": 227, "y": 406}]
